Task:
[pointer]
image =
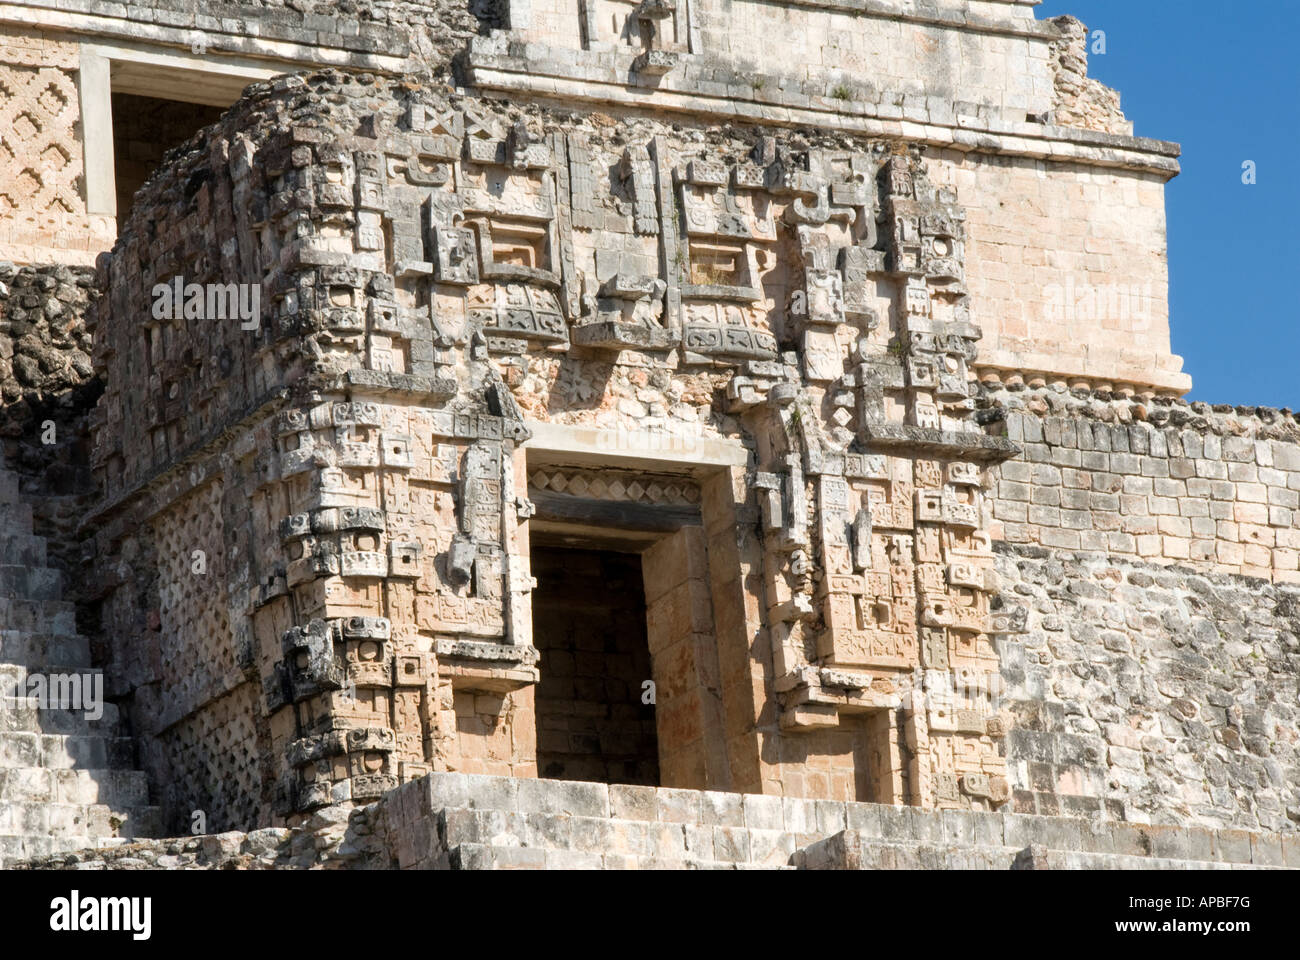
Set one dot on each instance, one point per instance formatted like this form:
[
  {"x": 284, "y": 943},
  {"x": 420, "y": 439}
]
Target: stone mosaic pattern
[{"x": 42, "y": 203}]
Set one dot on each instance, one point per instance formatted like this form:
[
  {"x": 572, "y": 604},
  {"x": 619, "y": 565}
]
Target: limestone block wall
[
  {"x": 1069, "y": 264},
  {"x": 1151, "y": 694},
  {"x": 927, "y": 57},
  {"x": 936, "y": 60},
  {"x": 1214, "y": 488}
]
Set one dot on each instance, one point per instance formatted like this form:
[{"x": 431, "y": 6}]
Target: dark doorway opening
[
  {"x": 589, "y": 624},
  {"x": 145, "y": 128}
]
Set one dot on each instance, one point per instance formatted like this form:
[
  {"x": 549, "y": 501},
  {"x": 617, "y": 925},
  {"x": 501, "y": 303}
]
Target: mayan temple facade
[{"x": 670, "y": 433}]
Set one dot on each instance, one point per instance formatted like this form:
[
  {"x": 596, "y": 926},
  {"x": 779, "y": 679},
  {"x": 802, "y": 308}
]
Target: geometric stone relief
[
  {"x": 40, "y": 156},
  {"x": 600, "y": 485}
]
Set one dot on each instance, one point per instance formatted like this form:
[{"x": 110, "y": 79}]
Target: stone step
[
  {"x": 65, "y": 779},
  {"x": 38, "y": 616},
  {"x": 25, "y": 549},
  {"x": 600, "y": 836},
  {"x": 40, "y": 647},
  {"x": 59, "y": 819},
  {"x": 100, "y": 825},
  {"x": 15, "y": 518},
  {"x": 13, "y": 848},
  {"x": 116, "y": 787},
  {"x": 63, "y": 751},
  {"x": 77, "y": 786},
  {"x": 24, "y": 715},
  {"x": 8, "y": 487},
  {"x": 15, "y": 674},
  {"x": 30, "y": 583},
  {"x": 478, "y": 856}
]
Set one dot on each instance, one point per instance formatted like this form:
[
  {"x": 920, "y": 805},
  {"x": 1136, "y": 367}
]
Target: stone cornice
[
  {"x": 565, "y": 77},
  {"x": 368, "y": 46},
  {"x": 934, "y": 14}
]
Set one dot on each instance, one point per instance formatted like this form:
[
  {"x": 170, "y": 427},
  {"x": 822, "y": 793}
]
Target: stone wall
[
  {"x": 1217, "y": 487},
  {"x": 355, "y": 471},
  {"x": 44, "y": 343},
  {"x": 1152, "y": 694},
  {"x": 47, "y": 391},
  {"x": 931, "y": 56},
  {"x": 1093, "y": 311},
  {"x": 429, "y": 31},
  {"x": 981, "y": 82},
  {"x": 1079, "y": 100},
  {"x": 1038, "y": 156}
]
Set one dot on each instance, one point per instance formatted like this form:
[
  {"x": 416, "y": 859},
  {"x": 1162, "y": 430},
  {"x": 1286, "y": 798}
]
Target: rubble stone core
[{"x": 790, "y": 364}]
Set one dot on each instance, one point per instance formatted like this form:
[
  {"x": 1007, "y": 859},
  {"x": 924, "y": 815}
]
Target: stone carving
[
  {"x": 895, "y": 532},
  {"x": 746, "y": 347},
  {"x": 454, "y": 256},
  {"x": 40, "y": 161}
]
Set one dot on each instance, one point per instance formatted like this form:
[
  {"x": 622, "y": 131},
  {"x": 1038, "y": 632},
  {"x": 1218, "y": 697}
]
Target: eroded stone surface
[
  {"x": 459, "y": 822},
  {"x": 820, "y": 337},
  {"x": 373, "y": 505}
]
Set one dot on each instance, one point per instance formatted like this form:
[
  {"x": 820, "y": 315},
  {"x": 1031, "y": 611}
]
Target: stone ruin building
[{"x": 617, "y": 434}]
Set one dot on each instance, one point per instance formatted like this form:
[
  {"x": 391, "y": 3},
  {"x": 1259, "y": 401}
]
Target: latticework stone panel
[
  {"x": 42, "y": 191},
  {"x": 215, "y": 761},
  {"x": 197, "y": 654}
]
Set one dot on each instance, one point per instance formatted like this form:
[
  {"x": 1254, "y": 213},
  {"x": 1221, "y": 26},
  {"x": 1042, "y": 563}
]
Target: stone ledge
[
  {"x": 593, "y": 77},
  {"x": 372, "y": 44},
  {"x": 919, "y": 11},
  {"x": 452, "y": 821},
  {"x": 484, "y": 808}
]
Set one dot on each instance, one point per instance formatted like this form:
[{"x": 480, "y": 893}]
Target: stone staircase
[{"x": 66, "y": 781}]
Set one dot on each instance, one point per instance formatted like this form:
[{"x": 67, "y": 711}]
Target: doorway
[
  {"x": 144, "y": 129},
  {"x": 595, "y": 705}
]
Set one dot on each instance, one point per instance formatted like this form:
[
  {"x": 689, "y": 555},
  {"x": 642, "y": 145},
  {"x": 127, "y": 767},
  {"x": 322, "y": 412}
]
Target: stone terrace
[{"x": 449, "y": 821}]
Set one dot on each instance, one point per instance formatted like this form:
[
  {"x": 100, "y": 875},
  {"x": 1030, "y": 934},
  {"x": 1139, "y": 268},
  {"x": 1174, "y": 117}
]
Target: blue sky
[{"x": 1222, "y": 79}]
